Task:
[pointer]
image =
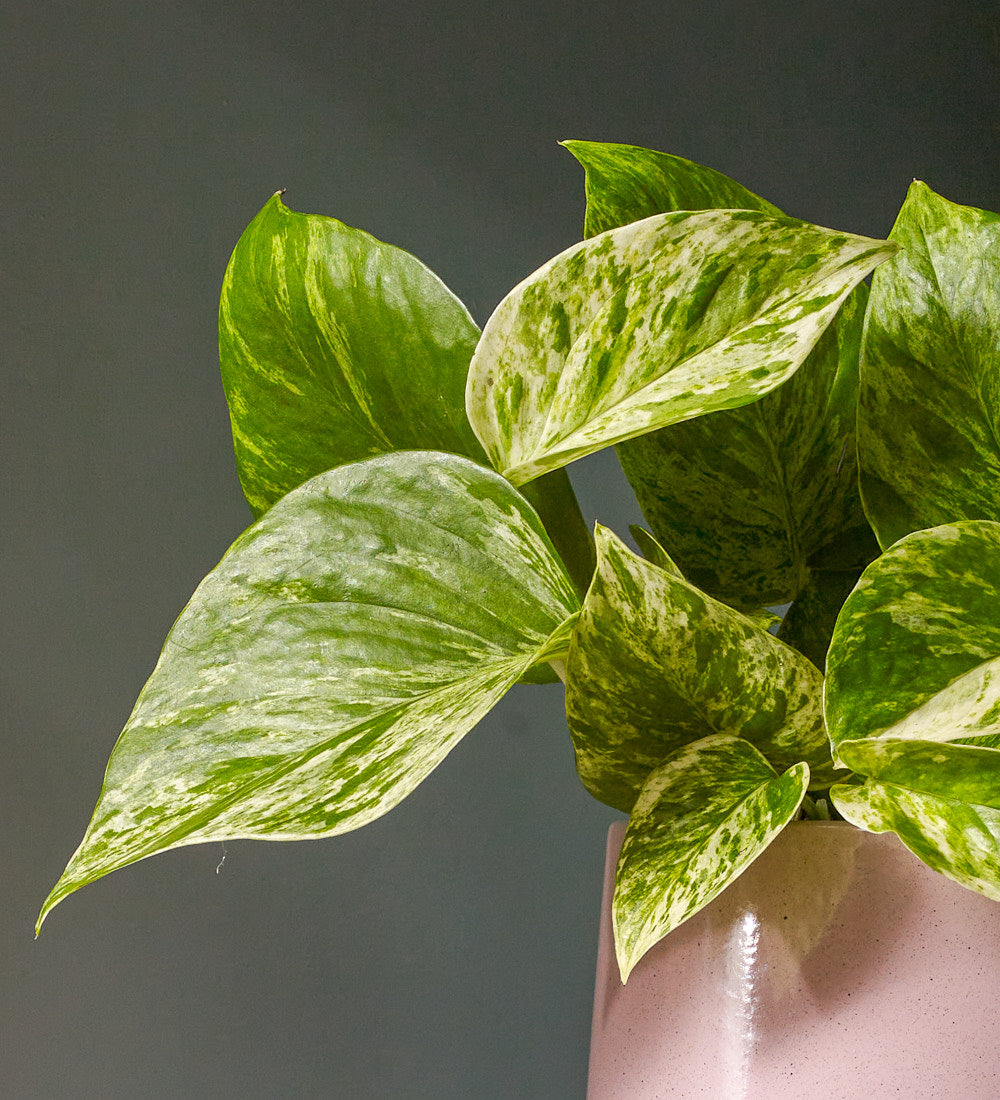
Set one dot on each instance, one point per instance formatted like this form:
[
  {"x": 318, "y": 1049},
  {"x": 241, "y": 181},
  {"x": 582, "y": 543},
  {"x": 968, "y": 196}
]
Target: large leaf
[
  {"x": 704, "y": 815},
  {"x": 915, "y": 650},
  {"x": 747, "y": 499},
  {"x": 626, "y": 183},
  {"x": 929, "y": 415},
  {"x": 336, "y": 347},
  {"x": 340, "y": 649},
  {"x": 958, "y": 839},
  {"x": 655, "y": 664},
  {"x": 654, "y": 323}
]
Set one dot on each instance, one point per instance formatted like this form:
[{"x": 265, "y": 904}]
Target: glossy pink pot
[{"x": 836, "y": 966}]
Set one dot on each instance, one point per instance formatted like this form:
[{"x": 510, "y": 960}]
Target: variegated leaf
[
  {"x": 626, "y": 183},
  {"x": 655, "y": 664},
  {"x": 958, "y": 839},
  {"x": 654, "y": 323},
  {"x": 345, "y": 643},
  {"x": 928, "y": 422},
  {"x": 915, "y": 651},
  {"x": 703, "y": 816},
  {"x": 748, "y": 499},
  {"x": 336, "y": 347}
]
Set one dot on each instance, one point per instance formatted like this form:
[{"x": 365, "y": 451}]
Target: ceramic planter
[{"x": 837, "y": 965}]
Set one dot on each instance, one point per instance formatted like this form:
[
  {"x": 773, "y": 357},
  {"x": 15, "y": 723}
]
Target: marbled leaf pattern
[
  {"x": 748, "y": 500},
  {"x": 957, "y": 839},
  {"x": 912, "y": 699},
  {"x": 703, "y": 816},
  {"x": 655, "y": 664},
  {"x": 653, "y": 323},
  {"x": 929, "y": 413},
  {"x": 341, "y": 648},
  {"x": 336, "y": 347},
  {"x": 917, "y": 639}
]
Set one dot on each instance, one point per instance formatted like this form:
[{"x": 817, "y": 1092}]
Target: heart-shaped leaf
[
  {"x": 654, "y": 323},
  {"x": 915, "y": 651},
  {"x": 655, "y": 664},
  {"x": 747, "y": 499},
  {"x": 336, "y": 347},
  {"x": 626, "y": 183},
  {"x": 703, "y": 816},
  {"x": 345, "y": 643},
  {"x": 928, "y": 427}
]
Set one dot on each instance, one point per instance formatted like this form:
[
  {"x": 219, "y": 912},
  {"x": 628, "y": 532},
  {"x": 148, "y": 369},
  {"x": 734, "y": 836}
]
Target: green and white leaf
[
  {"x": 655, "y": 664},
  {"x": 336, "y": 347},
  {"x": 654, "y": 323},
  {"x": 341, "y": 648},
  {"x": 703, "y": 816},
  {"x": 955, "y": 838},
  {"x": 748, "y": 498},
  {"x": 915, "y": 651},
  {"x": 929, "y": 415},
  {"x": 626, "y": 183}
]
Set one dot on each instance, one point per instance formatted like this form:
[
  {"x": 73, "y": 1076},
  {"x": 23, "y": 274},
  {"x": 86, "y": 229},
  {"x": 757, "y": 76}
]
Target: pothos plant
[{"x": 418, "y": 549}]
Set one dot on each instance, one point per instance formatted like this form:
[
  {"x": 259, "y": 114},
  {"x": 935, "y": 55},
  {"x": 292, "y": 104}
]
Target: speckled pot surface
[{"x": 837, "y": 965}]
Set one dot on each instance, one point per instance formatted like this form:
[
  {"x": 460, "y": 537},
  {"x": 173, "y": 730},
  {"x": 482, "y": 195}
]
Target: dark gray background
[{"x": 447, "y": 950}]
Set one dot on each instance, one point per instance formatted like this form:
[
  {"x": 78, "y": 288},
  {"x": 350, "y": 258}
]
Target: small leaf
[
  {"x": 928, "y": 427},
  {"x": 625, "y": 183},
  {"x": 336, "y": 347},
  {"x": 703, "y": 816},
  {"x": 957, "y": 839},
  {"x": 341, "y": 648},
  {"x": 655, "y": 664},
  {"x": 654, "y": 323},
  {"x": 915, "y": 647}
]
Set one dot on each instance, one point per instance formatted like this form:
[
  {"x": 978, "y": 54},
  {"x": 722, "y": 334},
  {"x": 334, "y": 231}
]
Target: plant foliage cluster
[{"x": 792, "y": 437}]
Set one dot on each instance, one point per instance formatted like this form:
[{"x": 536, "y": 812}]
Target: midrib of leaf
[{"x": 974, "y": 383}]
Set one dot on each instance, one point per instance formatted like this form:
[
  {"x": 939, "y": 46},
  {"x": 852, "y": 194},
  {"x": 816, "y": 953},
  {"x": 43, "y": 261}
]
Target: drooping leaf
[
  {"x": 915, "y": 650},
  {"x": 929, "y": 414},
  {"x": 746, "y": 498},
  {"x": 345, "y": 643},
  {"x": 336, "y": 347},
  {"x": 655, "y": 664},
  {"x": 626, "y": 183},
  {"x": 654, "y": 323},
  {"x": 958, "y": 839},
  {"x": 703, "y": 816}
]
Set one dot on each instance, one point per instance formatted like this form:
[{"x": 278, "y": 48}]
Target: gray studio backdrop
[{"x": 447, "y": 950}]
